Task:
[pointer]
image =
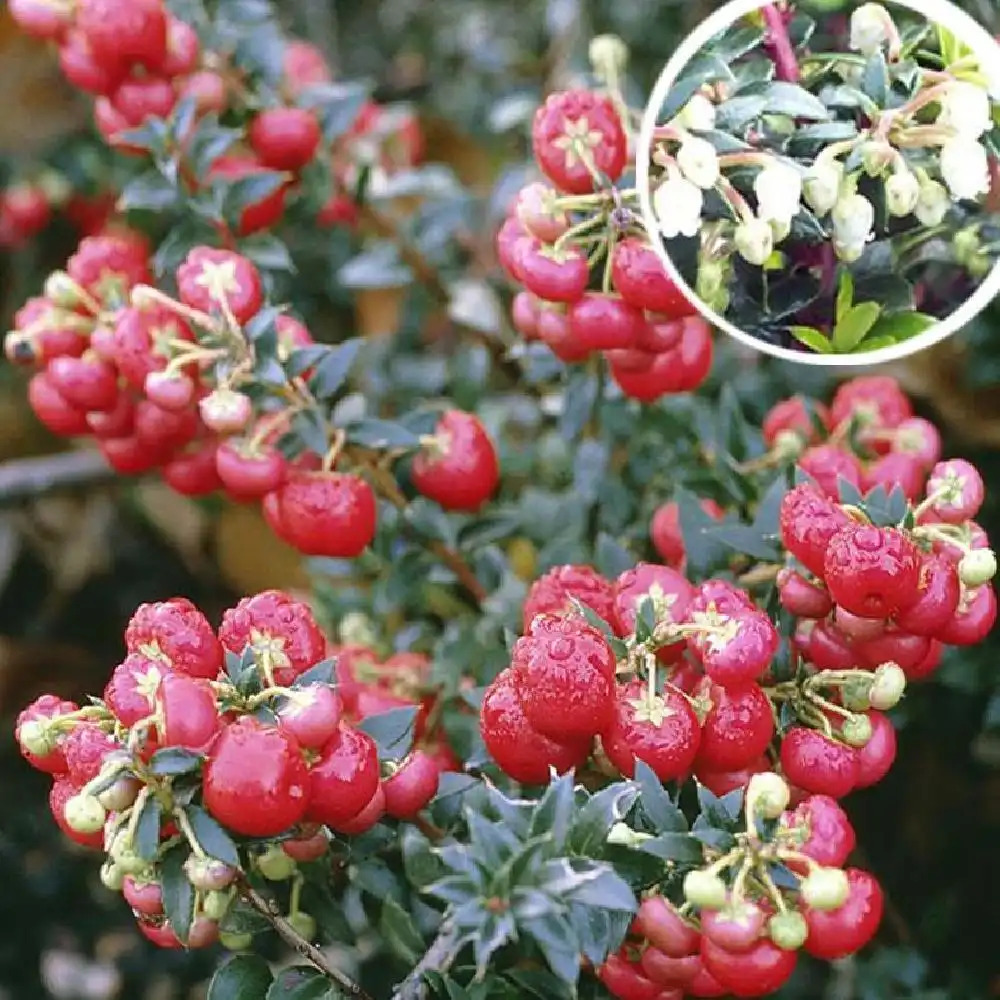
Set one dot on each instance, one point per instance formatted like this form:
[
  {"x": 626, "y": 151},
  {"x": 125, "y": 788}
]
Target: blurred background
[{"x": 75, "y": 563}]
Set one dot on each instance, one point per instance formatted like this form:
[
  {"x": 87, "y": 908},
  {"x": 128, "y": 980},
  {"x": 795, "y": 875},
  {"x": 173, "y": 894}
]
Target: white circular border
[{"x": 943, "y": 12}]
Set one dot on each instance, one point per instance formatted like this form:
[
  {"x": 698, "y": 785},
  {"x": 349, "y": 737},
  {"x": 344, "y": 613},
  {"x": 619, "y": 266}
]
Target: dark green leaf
[
  {"x": 337, "y": 105},
  {"x": 611, "y": 557},
  {"x": 323, "y": 672},
  {"x": 810, "y": 139},
  {"x": 243, "y": 977},
  {"x": 591, "y": 883},
  {"x": 331, "y": 373},
  {"x": 381, "y": 434},
  {"x": 554, "y": 811},
  {"x": 147, "y": 831},
  {"x": 748, "y": 541},
  {"x": 301, "y": 982},
  {"x": 595, "y": 819},
  {"x": 421, "y": 865},
  {"x": 392, "y": 731},
  {"x": 553, "y": 935},
  {"x": 249, "y": 190},
  {"x": 174, "y": 760},
  {"x": 215, "y": 842},
  {"x": 150, "y": 191},
  {"x": 738, "y": 112},
  {"x": 656, "y": 804},
  {"x": 579, "y": 399},
  {"x": 268, "y": 252},
  {"x": 178, "y": 894},
  {"x": 899, "y": 327},
  {"x": 794, "y": 101},
  {"x": 400, "y": 932},
  {"x": 875, "y": 79},
  {"x": 378, "y": 266},
  {"x": 682, "y": 848}
]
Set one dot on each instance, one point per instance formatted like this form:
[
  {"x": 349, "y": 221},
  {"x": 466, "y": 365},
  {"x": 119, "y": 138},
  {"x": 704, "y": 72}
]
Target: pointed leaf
[{"x": 244, "y": 977}]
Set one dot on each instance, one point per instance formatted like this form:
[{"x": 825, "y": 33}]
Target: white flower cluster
[{"x": 778, "y": 188}]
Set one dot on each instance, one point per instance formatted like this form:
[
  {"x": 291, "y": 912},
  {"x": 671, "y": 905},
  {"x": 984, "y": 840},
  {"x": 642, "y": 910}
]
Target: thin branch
[
  {"x": 439, "y": 957},
  {"x": 27, "y": 478},
  {"x": 268, "y": 909}
]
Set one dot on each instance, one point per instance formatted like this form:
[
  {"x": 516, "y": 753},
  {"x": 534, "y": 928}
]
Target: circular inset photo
[{"x": 823, "y": 178}]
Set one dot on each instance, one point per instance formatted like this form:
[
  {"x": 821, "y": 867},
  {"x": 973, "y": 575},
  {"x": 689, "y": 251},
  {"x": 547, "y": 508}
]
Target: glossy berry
[
  {"x": 659, "y": 923},
  {"x": 829, "y": 465},
  {"x": 959, "y": 488},
  {"x": 919, "y": 438},
  {"x": 520, "y": 751},
  {"x": 665, "y": 530},
  {"x": 565, "y": 673},
  {"x": 876, "y": 757},
  {"x": 671, "y": 974},
  {"x": 736, "y": 927},
  {"x": 344, "y": 777},
  {"x": 366, "y": 818},
  {"x": 176, "y": 633},
  {"x": 135, "y": 31},
  {"x": 873, "y": 400},
  {"x": 285, "y": 138},
  {"x": 326, "y": 513},
  {"x": 795, "y": 416},
  {"x": 142, "y": 341},
  {"x": 809, "y": 520},
  {"x": 602, "y": 322},
  {"x": 412, "y": 786},
  {"x": 974, "y": 619},
  {"x": 47, "y": 706},
  {"x": 255, "y": 782},
  {"x": 801, "y": 597},
  {"x": 844, "y": 931},
  {"x": 872, "y": 572},
  {"x": 63, "y": 790},
  {"x": 53, "y": 409},
  {"x": 817, "y": 763},
  {"x": 939, "y": 592},
  {"x": 554, "y": 592},
  {"x": 268, "y": 208},
  {"x": 575, "y": 128},
  {"x": 190, "y": 718},
  {"x": 459, "y": 469},
  {"x": 758, "y": 972},
  {"x": 664, "y": 734},
  {"x": 737, "y": 729},
  {"x": 536, "y": 210},
  {"x": 640, "y": 278},
  {"x": 85, "y": 748},
  {"x": 553, "y": 275},
  {"x": 209, "y": 278},
  {"x": 625, "y": 980},
  {"x": 739, "y": 650},
  {"x": 896, "y": 470},
  {"x": 311, "y": 714},
  {"x": 668, "y": 592},
  {"x": 249, "y": 472},
  {"x": 821, "y": 830}
]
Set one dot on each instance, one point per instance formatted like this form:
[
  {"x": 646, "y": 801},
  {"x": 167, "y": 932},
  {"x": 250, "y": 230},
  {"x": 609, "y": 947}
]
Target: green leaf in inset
[
  {"x": 812, "y": 338},
  {"x": 178, "y": 893},
  {"x": 900, "y": 327},
  {"x": 392, "y": 731},
  {"x": 875, "y": 79},
  {"x": 845, "y": 294},
  {"x": 854, "y": 325},
  {"x": 244, "y": 977},
  {"x": 214, "y": 840},
  {"x": 794, "y": 101}
]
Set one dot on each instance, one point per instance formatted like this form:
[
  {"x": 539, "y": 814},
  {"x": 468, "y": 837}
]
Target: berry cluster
[
  {"x": 170, "y": 384},
  {"x": 203, "y": 734},
  {"x": 591, "y": 282},
  {"x": 747, "y": 934},
  {"x": 141, "y": 62}
]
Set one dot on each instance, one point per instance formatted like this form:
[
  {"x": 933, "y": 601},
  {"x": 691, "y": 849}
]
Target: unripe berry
[
  {"x": 62, "y": 290},
  {"x": 857, "y": 731},
  {"x": 856, "y": 695},
  {"x": 123, "y": 854},
  {"x": 119, "y": 796},
  {"x": 788, "y": 930},
  {"x": 825, "y": 888},
  {"x": 608, "y": 55},
  {"x": 275, "y": 865},
  {"x": 112, "y": 877},
  {"x": 887, "y": 688},
  {"x": 35, "y": 738},
  {"x": 768, "y": 795},
  {"x": 215, "y": 905},
  {"x": 208, "y": 874},
  {"x": 233, "y": 941},
  {"x": 225, "y": 411},
  {"x": 788, "y": 445},
  {"x": 705, "y": 890},
  {"x": 978, "y": 567},
  {"x": 303, "y": 924},
  {"x": 84, "y": 814}
]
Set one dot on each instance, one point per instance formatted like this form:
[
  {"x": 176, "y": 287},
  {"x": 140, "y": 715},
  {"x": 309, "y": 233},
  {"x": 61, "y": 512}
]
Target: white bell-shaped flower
[
  {"x": 699, "y": 162},
  {"x": 677, "y": 204},
  {"x": 698, "y": 114},
  {"x": 779, "y": 192},
  {"x": 933, "y": 204},
  {"x": 966, "y": 108},
  {"x": 871, "y": 27},
  {"x": 965, "y": 168},
  {"x": 853, "y": 220},
  {"x": 755, "y": 241},
  {"x": 821, "y": 186},
  {"x": 902, "y": 192}
]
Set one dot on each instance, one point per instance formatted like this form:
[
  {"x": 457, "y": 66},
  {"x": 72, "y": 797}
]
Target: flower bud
[
  {"x": 678, "y": 204},
  {"x": 965, "y": 244},
  {"x": 902, "y": 192},
  {"x": 887, "y": 687},
  {"x": 225, "y": 411},
  {"x": 755, "y": 241},
  {"x": 977, "y": 567},
  {"x": 768, "y": 795},
  {"x": 84, "y": 814},
  {"x": 788, "y": 930},
  {"x": 871, "y": 28},
  {"x": 933, "y": 203},
  {"x": 965, "y": 168},
  {"x": 699, "y": 162},
  {"x": 821, "y": 186},
  {"x": 855, "y": 697},
  {"x": 705, "y": 890},
  {"x": 825, "y": 889},
  {"x": 208, "y": 874},
  {"x": 857, "y": 730},
  {"x": 112, "y": 877},
  {"x": 965, "y": 108},
  {"x": 779, "y": 192},
  {"x": 698, "y": 114}
]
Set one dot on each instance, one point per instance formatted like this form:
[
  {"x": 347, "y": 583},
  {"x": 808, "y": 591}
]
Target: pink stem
[{"x": 780, "y": 44}]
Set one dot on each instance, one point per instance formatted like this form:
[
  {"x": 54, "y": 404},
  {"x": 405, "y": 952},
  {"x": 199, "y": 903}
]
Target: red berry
[
  {"x": 565, "y": 673},
  {"x": 554, "y": 331},
  {"x": 63, "y": 789},
  {"x": 829, "y": 649},
  {"x": 554, "y": 275},
  {"x": 828, "y": 464},
  {"x": 209, "y": 277},
  {"x": 145, "y": 898},
  {"x": 660, "y": 333},
  {"x": 974, "y": 619},
  {"x": 939, "y": 590},
  {"x": 303, "y": 65},
  {"x": 665, "y": 530},
  {"x": 737, "y": 730},
  {"x": 521, "y": 752},
  {"x": 817, "y": 763},
  {"x": 673, "y": 973},
  {"x": 524, "y": 315},
  {"x": 630, "y": 359},
  {"x": 311, "y": 714},
  {"x": 131, "y": 456},
  {"x": 137, "y": 100},
  {"x": 857, "y": 629},
  {"x": 602, "y": 322},
  {"x": 738, "y": 650},
  {"x": 960, "y": 489},
  {"x": 27, "y": 207},
  {"x": 721, "y": 783},
  {"x": 267, "y": 209},
  {"x": 735, "y": 928},
  {"x": 876, "y": 757},
  {"x": 162, "y": 934},
  {"x": 281, "y": 631},
  {"x": 43, "y": 19},
  {"x": 344, "y": 778},
  {"x": 641, "y": 279},
  {"x": 800, "y": 597},
  {"x": 164, "y": 431},
  {"x": 170, "y": 390},
  {"x": 207, "y": 88},
  {"x": 249, "y": 473},
  {"x": 896, "y": 470},
  {"x": 536, "y": 211},
  {"x": 327, "y": 513},
  {"x": 47, "y": 706},
  {"x": 53, "y": 409},
  {"x": 624, "y": 980},
  {"x": 919, "y": 438},
  {"x": 459, "y": 469},
  {"x": 109, "y": 266},
  {"x": 720, "y": 597},
  {"x": 841, "y": 932},
  {"x": 928, "y": 664},
  {"x": 664, "y": 734},
  {"x": 363, "y": 821},
  {"x": 285, "y": 138},
  {"x": 508, "y": 245},
  {"x": 553, "y": 594},
  {"x": 131, "y": 691},
  {"x": 183, "y": 47},
  {"x": 86, "y": 383},
  {"x": 255, "y": 782},
  {"x": 85, "y": 747},
  {"x": 659, "y": 923},
  {"x": 875, "y": 400},
  {"x": 86, "y": 70},
  {"x": 669, "y": 593},
  {"x": 893, "y": 646},
  {"x": 190, "y": 716},
  {"x": 307, "y": 848},
  {"x": 822, "y": 830},
  {"x": 142, "y": 341},
  {"x": 575, "y": 128},
  {"x": 762, "y": 970},
  {"x": 135, "y": 31},
  {"x": 410, "y": 788},
  {"x": 797, "y": 417},
  {"x": 177, "y": 633},
  {"x": 872, "y": 572}
]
